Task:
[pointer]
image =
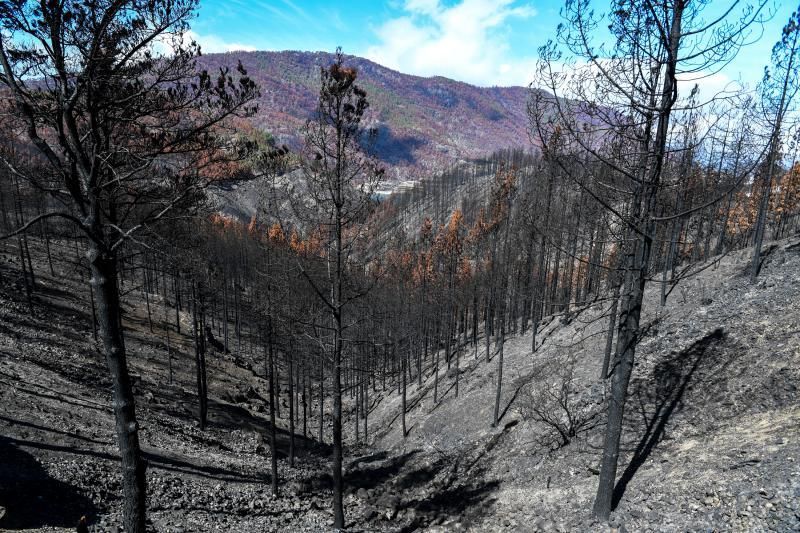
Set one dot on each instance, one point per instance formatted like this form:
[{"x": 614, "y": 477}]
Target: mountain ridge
[{"x": 424, "y": 124}]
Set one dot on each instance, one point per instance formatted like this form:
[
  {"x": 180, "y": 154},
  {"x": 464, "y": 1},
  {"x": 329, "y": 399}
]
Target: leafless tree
[
  {"x": 612, "y": 105},
  {"x": 126, "y": 132}
]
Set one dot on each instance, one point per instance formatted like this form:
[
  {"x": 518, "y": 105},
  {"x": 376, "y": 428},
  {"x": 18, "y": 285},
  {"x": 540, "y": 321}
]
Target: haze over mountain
[{"x": 423, "y": 124}]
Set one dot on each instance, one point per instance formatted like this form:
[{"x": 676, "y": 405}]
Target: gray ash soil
[{"x": 712, "y": 440}]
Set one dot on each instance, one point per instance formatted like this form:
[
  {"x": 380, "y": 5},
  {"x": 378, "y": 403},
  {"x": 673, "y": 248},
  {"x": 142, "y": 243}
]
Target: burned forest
[{"x": 244, "y": 289}]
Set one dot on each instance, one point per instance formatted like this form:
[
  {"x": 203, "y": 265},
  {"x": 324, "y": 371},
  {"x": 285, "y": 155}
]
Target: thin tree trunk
[
  {"x": 177, "y": 289},
  {"x": 612, "y": 321},
  {"x": 200, "y": 363},
  {"x": 755, "y": 264},
  {"x": 498, "y": 390},
  {"x": 291, "y": 405},
  {"x": 321, "y": 397},
  {"x": 436, "y": 374},
  {"x": 146, "y": 290},
  {"x": 366, "y": 410},
  {"x": 403, "y": 403},
  {"x": 46, "y": 235},
  {"x": 166, "y": 328},
  {"x": 272, "y": 430},
  {"x": 306, "y": 394}
]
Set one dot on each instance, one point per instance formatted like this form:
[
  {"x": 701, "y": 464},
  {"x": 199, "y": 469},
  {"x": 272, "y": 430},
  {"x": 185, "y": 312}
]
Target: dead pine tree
[
  {"x": 502, "y": 201},
  {"x": 100, "y": 110},
  {"x": 635, "y": 77},
  {"x": 340, "y": 179},
  {"x": 777, "y": 92}
]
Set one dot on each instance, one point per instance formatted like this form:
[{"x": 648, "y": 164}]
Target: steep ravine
[{"x": 712, "y": 437}]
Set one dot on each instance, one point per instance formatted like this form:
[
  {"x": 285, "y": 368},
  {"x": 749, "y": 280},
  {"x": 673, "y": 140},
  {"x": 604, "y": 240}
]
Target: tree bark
[
  {"x": 403, "y": 403},
  {"x": 291, "y": 404},
  {"x": 637, "y": 264},
  {"x": 612, "y": 322},
  {"x": 755, "y": 264},
  {"x": 103, "y": 266},
  {"x": 272, "y": 397}
]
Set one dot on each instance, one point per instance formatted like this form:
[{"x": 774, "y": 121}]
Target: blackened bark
[
  {"x": 291, "y": 405},
  {"x": 306, "y": 388},
  {"x": 199, "y": 352},
  {"x": 612, "y": 322},
  {"x": 761, "y": 222},
  {"x": 103, "y": 266},
  {"x": 273, "y": 446},
  {"x": 403, "y": 403},
  {"x": 321, "y": 399},
  {"x": 366, "y": 411},
  {"x": 166, "y": 327},
  {"x": 338, "y": 482},
  {"x": 637, "y": 265}
]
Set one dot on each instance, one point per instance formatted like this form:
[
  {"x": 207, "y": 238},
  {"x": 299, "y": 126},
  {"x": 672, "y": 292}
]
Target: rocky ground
[{"x": 712, "y": 439}]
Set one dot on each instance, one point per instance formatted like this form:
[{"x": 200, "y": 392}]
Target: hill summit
[{"x": 423, "y": 124}]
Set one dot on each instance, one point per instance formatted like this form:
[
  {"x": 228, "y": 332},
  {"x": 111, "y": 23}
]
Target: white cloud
[
  {"x": 465, "y": 41},
  {"x": 212, "y": 44},
  {"x": 712, "y": 86}
]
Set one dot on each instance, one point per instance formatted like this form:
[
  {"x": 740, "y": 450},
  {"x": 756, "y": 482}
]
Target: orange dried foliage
[
  {"x": 309, "y": 246},
  {"x": 784, "y": 199},
  {"x": 786, "y": 194},
  {"x": 252, "y": 227},
  {"x": 505, "y": 183},
  {"x": 423, "y": 269},
  {"x": 464, "y": 273},
  {"x": 275, "y": 234},
  {"x": 426, "y": 230}
]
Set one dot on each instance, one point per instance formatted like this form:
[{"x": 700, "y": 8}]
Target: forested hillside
[
  {"x": 422, "y": 124},
  {"x": 215, "y": 317}
]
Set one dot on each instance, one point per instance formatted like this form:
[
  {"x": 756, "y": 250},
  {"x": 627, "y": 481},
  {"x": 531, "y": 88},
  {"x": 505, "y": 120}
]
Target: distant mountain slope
[{"x": 424, "y": 124}]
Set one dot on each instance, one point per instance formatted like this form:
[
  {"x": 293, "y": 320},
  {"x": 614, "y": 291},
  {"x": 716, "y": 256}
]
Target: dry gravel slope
[{"x": 712, "y": 438}]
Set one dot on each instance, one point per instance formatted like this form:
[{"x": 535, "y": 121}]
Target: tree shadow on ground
[
  {"x": 235, "y": 417},
  {"x": 662, "y": 396},
  {"x": 367, "y": 478},
  {"x": 519, "y": 386},
  {"x": 27, "y": 331},
  {"x": 156, "y": 459},
  {"x": 32, "y": 498},
  {"x": 21, "y": 386},
  {"x": 58, "y": 433},
  {"x": 377, "y": 456},
  {"x": 457, "y": 502},
  {"x": 432, "y": 490},
  {"x": 163, "y": 461},
  {"x": 362, "y": 473},
  {"x": 464, "y": 495}
]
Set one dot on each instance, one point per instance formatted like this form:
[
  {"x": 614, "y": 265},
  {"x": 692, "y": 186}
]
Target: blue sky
[{"x": 484, "y": 42}]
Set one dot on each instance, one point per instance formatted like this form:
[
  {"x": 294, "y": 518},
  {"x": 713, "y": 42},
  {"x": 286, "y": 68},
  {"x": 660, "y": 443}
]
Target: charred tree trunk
[
  {"x": 290, "y": 356},
  {"x": 403, "y": 403},
  {"x": 612, "y": 322},
  {"x": 200, "y": 356},
  {"x": 103, "y": 264},
  {"x": 273, "y": 445},
  {"x": 637, "y": 265}
]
